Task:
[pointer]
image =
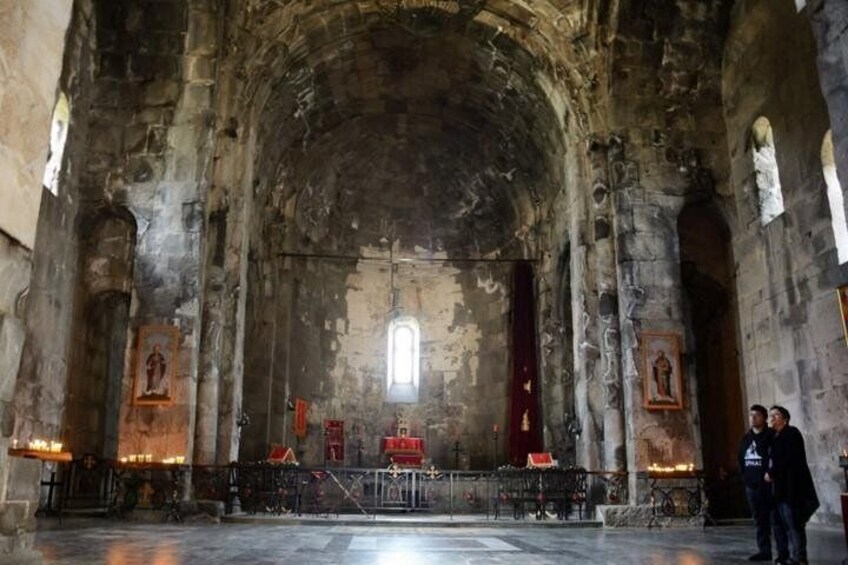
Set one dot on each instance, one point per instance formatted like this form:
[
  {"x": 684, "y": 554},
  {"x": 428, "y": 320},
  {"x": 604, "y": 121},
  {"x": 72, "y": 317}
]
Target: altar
[{"x": 404, "y": 451}]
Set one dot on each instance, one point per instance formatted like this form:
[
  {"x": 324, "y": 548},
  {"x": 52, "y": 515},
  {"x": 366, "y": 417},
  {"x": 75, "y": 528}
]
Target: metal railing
[{"x": 563, "y": 494}]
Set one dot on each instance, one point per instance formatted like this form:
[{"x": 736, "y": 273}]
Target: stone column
[
  {"x": 211, "y": 347},
  {"x": 588, "y": 396},
  {"x": 614, "y": 457}
]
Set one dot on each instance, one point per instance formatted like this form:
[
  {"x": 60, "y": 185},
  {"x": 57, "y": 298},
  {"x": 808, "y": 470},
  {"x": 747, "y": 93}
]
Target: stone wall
[
  {"x": 32, "y": 38},
  {"x": 668, "y": 150},
  {"x": 828, "y": 19},
  {"x": 146, "y": 158},
  {"x": 792, "y": 345},
  {"x": 336, "y": 339}
]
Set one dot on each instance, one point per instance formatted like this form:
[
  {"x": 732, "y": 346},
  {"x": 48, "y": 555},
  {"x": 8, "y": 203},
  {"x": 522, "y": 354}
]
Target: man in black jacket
[
  {"x": 753, "y": 458},
  {"x": 794, "y": 493}
]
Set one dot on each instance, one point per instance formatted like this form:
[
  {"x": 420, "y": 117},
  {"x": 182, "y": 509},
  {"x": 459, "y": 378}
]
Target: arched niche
[
  {"x": 764, "y": 153},
  {"x": 835, "y": 198}
]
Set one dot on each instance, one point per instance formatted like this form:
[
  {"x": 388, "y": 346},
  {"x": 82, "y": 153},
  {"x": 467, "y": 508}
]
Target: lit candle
[{"x": 180, "y": 459}]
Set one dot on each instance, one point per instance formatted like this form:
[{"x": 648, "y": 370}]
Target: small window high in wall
[
  {"x": 403, "y": 360},
  {"x": 58, "y": 137},
  {"x": 769, "y": 192},
  {"x": 835, "y": 198}
]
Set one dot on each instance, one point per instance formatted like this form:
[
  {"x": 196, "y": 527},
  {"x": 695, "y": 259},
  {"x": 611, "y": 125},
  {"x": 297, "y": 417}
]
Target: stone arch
[
  {"x": 352, "y": 131},
  {"x": 835, "y": 198},
  {"x": 58, "y": 137},
  {"x": 707, "y": 275},
  {"x": 769, "y": 191}
]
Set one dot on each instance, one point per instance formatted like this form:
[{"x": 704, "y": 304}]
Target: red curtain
[{"x": 525, "y": 429}]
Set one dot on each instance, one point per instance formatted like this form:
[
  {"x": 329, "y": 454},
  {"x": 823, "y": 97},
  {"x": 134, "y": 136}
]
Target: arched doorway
[{"x": 708, "y": 281}]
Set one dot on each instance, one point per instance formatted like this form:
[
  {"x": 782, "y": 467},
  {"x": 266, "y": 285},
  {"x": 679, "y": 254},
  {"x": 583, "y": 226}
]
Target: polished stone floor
[{"x": 387, "y": 544}]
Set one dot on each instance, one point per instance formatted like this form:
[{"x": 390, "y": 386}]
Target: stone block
[
  {"x": 641, "y": 516},
  {"x": 106, "y": 139},
  {"x": 197, "y": 96},
  {"x": 12, "y": 335},
  {"x": 160, "y": 93},
  {"x": 199, "y": 68},
  {"x": 149, "y": 67},
  {"x": 16, "y": 516},
  {"x": 202, "y": 33},
  {"x": 24, "y": 479}
]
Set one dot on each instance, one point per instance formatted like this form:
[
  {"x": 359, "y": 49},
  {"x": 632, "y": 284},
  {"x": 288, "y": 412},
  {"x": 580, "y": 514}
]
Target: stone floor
[{"x": 389, "y": 544}]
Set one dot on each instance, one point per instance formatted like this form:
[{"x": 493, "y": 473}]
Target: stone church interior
[{"x": 459, "y": 240}]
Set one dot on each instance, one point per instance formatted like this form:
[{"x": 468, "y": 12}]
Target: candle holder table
[
  {"x": 148, "y": 486},
  {"x": 51, "y": 460},
  {"x": 678, "y": 494}
]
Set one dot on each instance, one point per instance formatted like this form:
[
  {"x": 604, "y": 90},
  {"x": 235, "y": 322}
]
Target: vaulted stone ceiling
[{"x": 440, "y": 125}]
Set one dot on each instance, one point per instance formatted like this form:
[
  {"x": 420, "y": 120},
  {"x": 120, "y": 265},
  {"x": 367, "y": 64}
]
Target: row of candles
[
  {"x": 148, "y": 458},
  {"x": 679, "y": 468},
  {"x": 48, "y": 446}
]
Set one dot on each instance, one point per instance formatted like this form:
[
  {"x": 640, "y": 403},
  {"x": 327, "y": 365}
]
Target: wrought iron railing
[{"x": 278, "y": 489}]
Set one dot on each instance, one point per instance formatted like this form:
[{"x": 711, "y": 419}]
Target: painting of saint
[
  {"x": 155, "y": 364},
  {"x": 662, "y": 371}
]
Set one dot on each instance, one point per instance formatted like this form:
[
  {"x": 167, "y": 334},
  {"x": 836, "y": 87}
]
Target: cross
[
  {"x": 456, "y": 451},
  {"x": 145, "y": 493}
]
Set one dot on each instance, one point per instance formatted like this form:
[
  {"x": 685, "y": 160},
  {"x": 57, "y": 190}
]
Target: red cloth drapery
[{"x": 525, "y": 429}]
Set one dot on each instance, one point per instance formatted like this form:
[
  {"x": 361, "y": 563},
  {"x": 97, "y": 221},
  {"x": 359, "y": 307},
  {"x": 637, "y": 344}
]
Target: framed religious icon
[
  {"x": 842, "y": 292},
  {"x": 156, "y": 365},
  {"x": 334, "y": 441},
  {"x": 662, "y": 372}
]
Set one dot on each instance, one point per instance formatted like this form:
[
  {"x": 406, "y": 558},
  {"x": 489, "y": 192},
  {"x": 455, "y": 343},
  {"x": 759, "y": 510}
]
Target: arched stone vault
[
  {"x": 365, "y": 134},
  {"x": 481, "y": 108}
]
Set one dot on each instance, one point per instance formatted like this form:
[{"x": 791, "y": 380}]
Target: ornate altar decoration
[{"x": 402, "y": 450}]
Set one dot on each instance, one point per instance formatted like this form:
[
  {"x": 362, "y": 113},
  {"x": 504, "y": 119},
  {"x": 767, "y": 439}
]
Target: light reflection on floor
[{"x": 117, "y": 543}]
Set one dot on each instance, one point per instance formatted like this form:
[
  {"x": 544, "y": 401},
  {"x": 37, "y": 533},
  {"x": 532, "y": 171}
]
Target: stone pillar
[
  {"x": 624, "y": 182},
  {"x": 614, "y": 458},
  {"x": 588, "y": 395},
  {"x": 828, "y": 19},
  {"x": 211, "y": 347}
]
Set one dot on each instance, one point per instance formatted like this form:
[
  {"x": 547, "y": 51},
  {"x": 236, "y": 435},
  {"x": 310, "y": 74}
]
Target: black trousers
[{"x": 761, "y": 505}]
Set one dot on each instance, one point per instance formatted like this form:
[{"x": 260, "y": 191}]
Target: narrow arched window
[
  {"x": 58, "y": 137},
  {"x": 403, "y": 360},
  {"x": 835, "y": 198},
  {"x": 769, "y": 192}
]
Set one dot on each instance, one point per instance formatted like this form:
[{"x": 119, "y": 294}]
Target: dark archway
[{"x": 708, "y": 281}]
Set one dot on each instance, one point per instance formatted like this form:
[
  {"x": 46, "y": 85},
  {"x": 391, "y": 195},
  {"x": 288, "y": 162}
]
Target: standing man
[
  {"x": 794, "y": 493},
  {"x": 753, "y": 459}
]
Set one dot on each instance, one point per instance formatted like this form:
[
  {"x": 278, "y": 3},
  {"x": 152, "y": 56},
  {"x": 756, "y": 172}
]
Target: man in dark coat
[
  {"x": 753, "y": 460},
  {"x": 794, "y": 493}
]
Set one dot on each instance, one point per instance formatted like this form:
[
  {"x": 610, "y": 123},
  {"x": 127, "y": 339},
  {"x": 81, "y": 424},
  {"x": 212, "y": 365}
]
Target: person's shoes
[
  {"x": 783, "y": 561},
  {"x": 760, "y": 557}
]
